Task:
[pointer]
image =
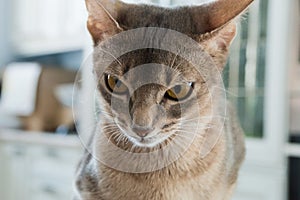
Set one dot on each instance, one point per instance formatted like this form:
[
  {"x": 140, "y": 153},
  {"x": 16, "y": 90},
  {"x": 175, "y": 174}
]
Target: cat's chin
[{"x": 149, "y": 142}]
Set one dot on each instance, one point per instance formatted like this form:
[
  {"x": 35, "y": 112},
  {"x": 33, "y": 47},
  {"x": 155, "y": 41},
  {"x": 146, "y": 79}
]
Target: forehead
[{"x": 145, "y": 63}]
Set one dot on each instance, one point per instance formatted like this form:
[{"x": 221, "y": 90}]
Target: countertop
[{"x": 40, "y": 138}]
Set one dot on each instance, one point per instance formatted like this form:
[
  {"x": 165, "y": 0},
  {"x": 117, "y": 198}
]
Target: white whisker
[
  {"x": 173, "y": 62},
  {"x": 112, "y": 136},
  {"x": 113, "y": 57}
]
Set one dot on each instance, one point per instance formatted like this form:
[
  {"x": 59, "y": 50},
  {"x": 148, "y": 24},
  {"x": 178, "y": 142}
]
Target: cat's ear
[
  {"x": 216, "y": 24},
  {"x": 102, "y": 21},
  {"x": 216, "y": 14},
  {"x": 217, "y": 43}
]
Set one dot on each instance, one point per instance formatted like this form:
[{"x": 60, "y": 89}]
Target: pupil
[
  {"x": 177, "y": 89},
  {"x": 118, "y": 83}
]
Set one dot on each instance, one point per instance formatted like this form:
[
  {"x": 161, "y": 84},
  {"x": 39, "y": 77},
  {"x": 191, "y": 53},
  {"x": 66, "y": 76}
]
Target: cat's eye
[
  {"x": 115, "y": 85},
  {"x": 180, "y": 92}
]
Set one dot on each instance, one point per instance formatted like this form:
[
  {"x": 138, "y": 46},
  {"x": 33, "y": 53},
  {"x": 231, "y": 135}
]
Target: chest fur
[{"x": 159, "y": 186}]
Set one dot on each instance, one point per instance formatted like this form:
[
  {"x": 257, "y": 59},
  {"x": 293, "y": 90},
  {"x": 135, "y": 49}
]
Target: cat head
[{"x": 151, "y": 113}]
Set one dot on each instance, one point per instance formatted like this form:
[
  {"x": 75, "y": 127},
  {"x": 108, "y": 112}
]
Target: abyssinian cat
[{"x": 148, "y": 144}]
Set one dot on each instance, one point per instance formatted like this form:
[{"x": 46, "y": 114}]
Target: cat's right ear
[{"x": 102, "y": 21}]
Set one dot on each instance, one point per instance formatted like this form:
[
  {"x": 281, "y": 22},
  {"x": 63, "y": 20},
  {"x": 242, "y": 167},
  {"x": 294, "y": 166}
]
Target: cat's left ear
[
  {"x": 102, "y": 21},
  {"x": 217, "y": 43},
  {"x": 216, "y": 24}
]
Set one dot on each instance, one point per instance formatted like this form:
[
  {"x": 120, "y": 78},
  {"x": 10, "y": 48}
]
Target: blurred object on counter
[
  {"x": 9, "y": 122},
  {"x": 66, "y": 130},
  {"x": 64, "y": 94},
  {"x": 29, "y": 93},
  {"x": 5, "y": 120},
  {"x": 20, "y": 82}
]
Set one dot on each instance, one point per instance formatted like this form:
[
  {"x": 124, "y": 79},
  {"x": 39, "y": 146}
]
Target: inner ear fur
[
  {"x": 102, "y": 21},
  {"x": 217, "y": 43}
]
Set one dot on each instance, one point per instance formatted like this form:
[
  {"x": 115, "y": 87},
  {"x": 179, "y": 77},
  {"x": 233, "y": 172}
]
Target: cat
[{"x": 153, "y": 117}]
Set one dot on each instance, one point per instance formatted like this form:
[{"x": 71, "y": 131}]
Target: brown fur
[{"x": 192, "y": 176}]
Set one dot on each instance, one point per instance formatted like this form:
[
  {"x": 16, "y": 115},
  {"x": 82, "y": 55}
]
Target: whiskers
[
  {"x": 111, "y": 131},
  {"x": 185, "y": 130},
  {"x": 194, "y": 124},
  {"x": 107, "y": 115}
]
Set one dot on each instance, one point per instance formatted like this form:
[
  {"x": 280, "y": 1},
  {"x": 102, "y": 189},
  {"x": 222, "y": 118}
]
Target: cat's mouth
[
  {"x": 149, "y": 142},
  {"x": 153, "y": 139}
]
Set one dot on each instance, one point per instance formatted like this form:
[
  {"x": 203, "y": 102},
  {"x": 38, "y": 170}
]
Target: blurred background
[{"x": 44, "y": 42}]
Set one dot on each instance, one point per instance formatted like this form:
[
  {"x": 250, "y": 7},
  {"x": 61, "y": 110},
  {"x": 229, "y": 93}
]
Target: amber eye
[
  {"x": 179, "y": 92},
  {"x": 115, "y": 85}
]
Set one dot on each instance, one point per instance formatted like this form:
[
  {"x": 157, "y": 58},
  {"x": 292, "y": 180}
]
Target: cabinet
[
  {"x": 36, "y": 171},
  {"x": 40, "y": 166},
  {"x": 48, "y": 26}
]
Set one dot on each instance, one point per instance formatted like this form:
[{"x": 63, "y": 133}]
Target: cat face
[
  {"x": 149, "y": 95},
  {"x": 149, "y": 99}
]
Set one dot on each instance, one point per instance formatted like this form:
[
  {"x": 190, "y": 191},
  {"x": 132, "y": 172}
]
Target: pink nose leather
[{"x": 142, "y": 131}]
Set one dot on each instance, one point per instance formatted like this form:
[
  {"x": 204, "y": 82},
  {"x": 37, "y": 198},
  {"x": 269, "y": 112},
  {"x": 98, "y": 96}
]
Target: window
[{"x": 244, "y": 75}]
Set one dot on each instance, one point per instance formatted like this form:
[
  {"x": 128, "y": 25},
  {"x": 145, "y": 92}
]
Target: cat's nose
[{"x": 142, "y": 131}]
